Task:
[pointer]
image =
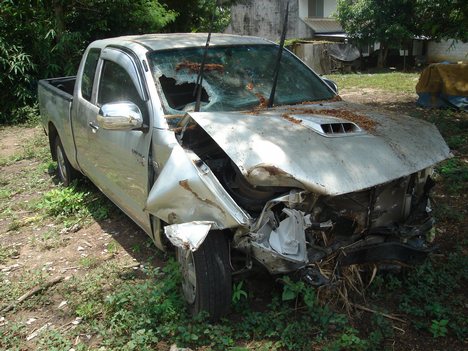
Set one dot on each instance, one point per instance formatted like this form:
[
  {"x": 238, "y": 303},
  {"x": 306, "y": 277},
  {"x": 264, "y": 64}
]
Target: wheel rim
[
  {"x": 61, "y": 163},
  {"x": 189, "y": 278}
]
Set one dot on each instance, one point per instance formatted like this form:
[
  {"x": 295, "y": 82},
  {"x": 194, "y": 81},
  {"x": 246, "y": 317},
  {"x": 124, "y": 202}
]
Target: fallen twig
[
  {"x": 389, "y": 316},
  {"x": 32, "y": 292},
  {"x": 38, "y": 331},
  {"x": 132, "y": 266}
]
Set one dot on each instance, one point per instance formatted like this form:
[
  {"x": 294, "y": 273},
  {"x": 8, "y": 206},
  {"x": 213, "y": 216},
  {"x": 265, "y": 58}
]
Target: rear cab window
[{"x": 89, "y": 71}]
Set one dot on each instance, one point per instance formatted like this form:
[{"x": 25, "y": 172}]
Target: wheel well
[{"x": 52, "y": 135}]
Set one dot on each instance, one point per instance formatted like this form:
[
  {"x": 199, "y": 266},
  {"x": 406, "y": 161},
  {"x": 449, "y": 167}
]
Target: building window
[{"x": 315, "y": 8}]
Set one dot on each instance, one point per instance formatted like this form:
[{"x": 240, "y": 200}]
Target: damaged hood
[{"x": 330, "y": 149}]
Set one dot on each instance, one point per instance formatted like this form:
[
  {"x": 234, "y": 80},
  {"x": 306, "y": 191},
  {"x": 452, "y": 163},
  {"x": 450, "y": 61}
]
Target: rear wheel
[
  {"x": 65, "y": 172},
  {"x": 206, "y": 276}
]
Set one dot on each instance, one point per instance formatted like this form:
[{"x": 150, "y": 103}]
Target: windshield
[{"x": 235, "y": 78}]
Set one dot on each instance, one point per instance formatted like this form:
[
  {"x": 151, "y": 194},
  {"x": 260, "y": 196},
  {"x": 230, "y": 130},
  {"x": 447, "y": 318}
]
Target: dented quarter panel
[
  {"x": 186, "y": 190},
  {"x": 271, "y": 150}
]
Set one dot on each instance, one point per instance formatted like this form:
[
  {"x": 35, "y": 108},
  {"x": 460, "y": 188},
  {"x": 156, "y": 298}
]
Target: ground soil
[
  {"x": 12, "y": 139},
  {"x": 93, "y": 240}
]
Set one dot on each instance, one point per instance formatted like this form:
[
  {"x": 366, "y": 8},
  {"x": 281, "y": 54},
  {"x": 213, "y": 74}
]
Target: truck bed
[
  {"x": 62, "y": 86},
  {"x": 55, "y": 97}
]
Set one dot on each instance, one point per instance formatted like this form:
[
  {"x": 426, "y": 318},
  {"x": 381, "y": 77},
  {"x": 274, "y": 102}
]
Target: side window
[
  {"x": 116, "y": 85},
  {"x": 88, "y": 73}
]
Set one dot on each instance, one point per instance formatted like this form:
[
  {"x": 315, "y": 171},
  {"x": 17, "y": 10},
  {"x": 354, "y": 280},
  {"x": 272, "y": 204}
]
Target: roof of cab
[{"x": 180, "y": 40}]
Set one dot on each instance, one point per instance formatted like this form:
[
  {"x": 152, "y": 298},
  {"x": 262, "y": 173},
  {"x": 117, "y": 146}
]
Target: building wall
[
  {"x": 264, "y": 18},
  {"x": 443, "y": 51}
]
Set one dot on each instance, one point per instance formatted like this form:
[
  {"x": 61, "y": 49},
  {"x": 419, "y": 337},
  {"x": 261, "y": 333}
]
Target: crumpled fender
[{"x": 186, "y": 190}]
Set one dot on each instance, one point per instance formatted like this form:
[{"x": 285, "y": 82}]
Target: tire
[
  {"x": 65, "y": 172},
  {"x": 206, "y": 276}
]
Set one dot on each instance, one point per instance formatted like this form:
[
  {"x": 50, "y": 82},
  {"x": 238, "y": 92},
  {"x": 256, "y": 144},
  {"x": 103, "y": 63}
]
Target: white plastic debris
[
  {"x": 31, "y": 320},
  {"x": 188, "y": 235}
]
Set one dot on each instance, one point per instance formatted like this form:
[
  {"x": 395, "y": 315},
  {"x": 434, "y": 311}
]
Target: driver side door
[{"x": 118, "y": 159}]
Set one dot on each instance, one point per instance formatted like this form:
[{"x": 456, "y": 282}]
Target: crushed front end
[{"x": 389, "y": 223}]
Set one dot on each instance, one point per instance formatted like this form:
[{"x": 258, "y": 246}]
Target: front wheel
[
  {"x": 206, "y": 276},
  {"x": 65, "y": 172}
]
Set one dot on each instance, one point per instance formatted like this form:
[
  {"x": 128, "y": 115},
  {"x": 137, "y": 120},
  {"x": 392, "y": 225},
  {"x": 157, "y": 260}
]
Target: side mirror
[
  {"x": 120, "y": 116},
  {"x": 331, "y": 84}
]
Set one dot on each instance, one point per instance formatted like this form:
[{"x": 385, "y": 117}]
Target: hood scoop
[{"x": 329, "y": 126}]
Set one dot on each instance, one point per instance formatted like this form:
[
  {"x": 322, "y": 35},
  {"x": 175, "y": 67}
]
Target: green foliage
[
  {"x": 349, "y": 340},
  {"x": 382, "y": 331},
  {"x": 389, "y": 22},
  {"x": 46, "y": 38},
  {"x": 238, "y": 293},
  {"x": 53, "y": 340},
  {"x": 455, "y": 171},
  {"x": 63, "y": 201},
  {"x": 396, "y": 22},
  {"x": 143, "y": 312},
  {"x": 76, "y": 202},
  {"x": 7, "y": 252},
  {"x": 16, "y": 69},
  {"x": 293, "y": 290},
  {"x": 11, "y": 337},
  {"x": 197, "y": 15},
  {"x": 439, "y": 328},
  {"x": 443, "y": 19},
  {"x": 432, "y": 294}
]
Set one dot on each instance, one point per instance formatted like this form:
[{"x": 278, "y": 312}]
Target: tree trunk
[
  {"x": 382, "y": 58},
  {"x": 59, "y": 19}
]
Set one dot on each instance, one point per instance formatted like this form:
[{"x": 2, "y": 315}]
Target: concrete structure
[
  {"x": 447, "y": 51},
  {"x": 264, "y": 18}
]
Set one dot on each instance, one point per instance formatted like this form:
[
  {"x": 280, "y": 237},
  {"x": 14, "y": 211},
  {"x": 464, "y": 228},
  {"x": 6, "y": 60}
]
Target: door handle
[{"x": 94, "y": 127}]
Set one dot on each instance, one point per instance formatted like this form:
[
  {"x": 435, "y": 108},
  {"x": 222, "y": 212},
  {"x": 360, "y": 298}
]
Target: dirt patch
[{"x": 13, "y": 139}]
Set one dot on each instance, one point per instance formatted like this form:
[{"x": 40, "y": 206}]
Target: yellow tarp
[{"x": 447, "y": 79}]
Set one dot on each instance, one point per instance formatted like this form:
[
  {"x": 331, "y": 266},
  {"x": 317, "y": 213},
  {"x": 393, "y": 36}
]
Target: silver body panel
[{"x": 270, "y": 150}]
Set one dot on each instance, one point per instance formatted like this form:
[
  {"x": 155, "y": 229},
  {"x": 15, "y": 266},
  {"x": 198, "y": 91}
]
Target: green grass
[{"x": 395, "y": 82}]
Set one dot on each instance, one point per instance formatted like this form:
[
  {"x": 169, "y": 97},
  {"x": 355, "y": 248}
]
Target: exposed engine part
[
  {"x": 248, "y": 196},
  {"x": 251, "y": 198},
  {"x": 284, "y": 237}
]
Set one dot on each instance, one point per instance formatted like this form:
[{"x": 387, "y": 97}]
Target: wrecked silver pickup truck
[{"x": 240, "y": 182}]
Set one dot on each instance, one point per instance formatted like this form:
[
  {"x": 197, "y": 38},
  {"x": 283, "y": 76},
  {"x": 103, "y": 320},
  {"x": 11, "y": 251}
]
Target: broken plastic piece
[
  {"x": 188, "y": 236},
  {"x": 289, "y": 239}
]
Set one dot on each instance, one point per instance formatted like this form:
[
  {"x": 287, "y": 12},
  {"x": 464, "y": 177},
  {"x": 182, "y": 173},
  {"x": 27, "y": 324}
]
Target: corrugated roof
[{"x": 323, "y": 25}]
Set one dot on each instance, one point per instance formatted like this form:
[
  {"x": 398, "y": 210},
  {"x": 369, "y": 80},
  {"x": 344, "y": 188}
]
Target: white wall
[
  {"x": 264, "y": 18},
  {"x": 329, "y": 8},
  {"x": 443, "y": 51},
  {"x": 303, "y": 8}
]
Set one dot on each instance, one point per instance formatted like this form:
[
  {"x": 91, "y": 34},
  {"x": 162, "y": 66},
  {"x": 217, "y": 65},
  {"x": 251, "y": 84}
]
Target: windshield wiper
[{"x": 278, "y": 58}]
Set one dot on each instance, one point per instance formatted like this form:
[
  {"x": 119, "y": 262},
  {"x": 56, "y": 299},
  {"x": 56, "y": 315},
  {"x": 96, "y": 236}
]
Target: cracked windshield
[{"x": 234, "y": 78}]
